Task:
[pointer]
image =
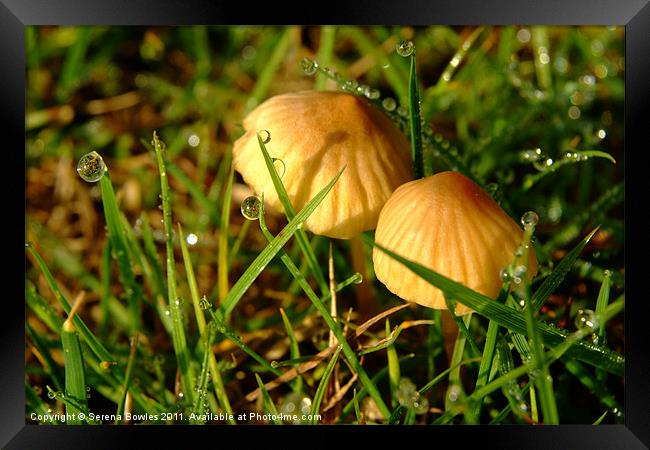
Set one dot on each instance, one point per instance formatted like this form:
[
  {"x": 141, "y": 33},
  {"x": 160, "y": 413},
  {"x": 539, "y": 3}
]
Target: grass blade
[
  {"x": 199, "y": 306},
  {"x": 324, "y": 56},
  {"x": 224, "y": 230},
  {"x": 127, "y": 376},
  {"x": 178, "y": 329},
  {"x": 294, "y": 350},
  {"x": 301, "y": 236},
  {"x": 393, "y": 367},
  {"x": 415, "y": 122},
  {"x": 322, "y": 386},
  {"x": 269, "y": 406},
  {"x": 119, "y": 247},
  {"x": 75, "y": 376},
  {"x": 269, "y": 252}
]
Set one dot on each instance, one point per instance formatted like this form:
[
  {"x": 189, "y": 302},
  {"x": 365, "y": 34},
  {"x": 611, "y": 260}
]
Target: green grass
[{"x": 198, "y": 326}]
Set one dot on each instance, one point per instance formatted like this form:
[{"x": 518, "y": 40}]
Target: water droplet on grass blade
[
  {"x": 279, "y": 165},
  {"x": 309, "y": 66},
  {"x": 250, "y": 207},
  {"x": 91, "y": 167},
  {"x": 587, "y": 320},
  {"x": 389, "y": 104},
  {"x": 265, "y": 135},
  {"x": 405, "y": 48},
  {"x": 529, "y": 219},
  {"x": 192, "y": 239}
]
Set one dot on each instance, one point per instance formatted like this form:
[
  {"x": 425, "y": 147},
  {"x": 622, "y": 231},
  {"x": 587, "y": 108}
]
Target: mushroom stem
[
  {"x": 449, "y": 331},
  {"x": 332, "y": 340},
  {"x": 365, "y": 300}
]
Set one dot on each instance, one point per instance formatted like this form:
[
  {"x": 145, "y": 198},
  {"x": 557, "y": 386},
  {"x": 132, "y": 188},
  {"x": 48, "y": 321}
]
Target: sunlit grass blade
[
  {"x": 224, "y": 230},
  {"x": 199, "y": 306},
  {"x": 119, "y": 247},
  {"x": 201, "y": 400},
  {"x": 509, "y": 318},
  {"x": 322, "y": 385},
  {"x": 265, "y": 256},
  {"x": 301, "y": 236},
  {"x": 269, "y": 406},
  {"x": 580, "y": 156},
  {"x": 415, "y": 123},
  {"x": 601, "y": 418},
  {"x": 178, "y": 327},
  {"x": 75, "y": 375}
]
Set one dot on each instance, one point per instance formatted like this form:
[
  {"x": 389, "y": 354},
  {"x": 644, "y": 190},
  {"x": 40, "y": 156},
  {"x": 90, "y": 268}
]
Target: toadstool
[
  {"x": 316, "y": 134},
  {"x": 447, "y": 223}
]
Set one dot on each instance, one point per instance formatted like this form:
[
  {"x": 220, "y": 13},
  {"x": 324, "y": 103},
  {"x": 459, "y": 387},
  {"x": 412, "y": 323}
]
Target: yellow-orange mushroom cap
[
  {"x": 447, "y": 223},
  {"x": 316, "y": 134}
]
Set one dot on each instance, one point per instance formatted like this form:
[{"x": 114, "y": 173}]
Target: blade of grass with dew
[
  {"x": 224, "y": 230},
  {"x": 486, "y": 362},
  {"x": 415, "y": 123},
  {"x": 557, "y": 276},
  {"x": 600, "y": 419},
  {"x": 324, "y": 55},
  {"x": 508, "y": 408},
  {"x": 551, "y": 356},
  {"x": 393, "y": 367},
  {"x": 357, "y": 411},
  {"x": 266, "y": 76},
  {"x": 221, "y": 328},
  {"x": 322, "y": 385},
  {"x": 119, "y": 247},
  {"x": 178, "y": 328},
  {"x": 597, "y": 356},
  {"x": 347, "y": 350},
  {"x": 505, "y": 363},
  {"x": 542, "y": 380},
  {"x": 463, "y": 325},
  {"x": 294, "y": 349},
  {"x": 127, "y": 377},
  {"x": 301, "y": 236},
  {"x": 531, "y": 179},
  {"x": 160, "y": 292},
  {"x": 269, "y": 406},
  {"x": 601, "y": 307},
  {"x": 269, "y": 252},
  {"x": 219, "y": 389},
  {"x": 200, "y": 403},
  {"x": 75, "y": 376},
  {"x": 541, "y": 47}
]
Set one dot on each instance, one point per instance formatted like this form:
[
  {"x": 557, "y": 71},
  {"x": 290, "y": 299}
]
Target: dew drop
[
  {"x": 204, "y": 303},
  {"x": 191, "y": 239},
  {"x": 454, "y": 393},
  {"x": 91, "y": 167},
  {"x": 250, "y": 207},
  {"x": 586, "y": 320},
  {"x": 405, "y": 48},
  {"x": 51, "y": 394},
  {"x": 265, "y": 135},
  {"x": 358, "y": 279},
  {"x": 402, "y": 111},
  {"x": 529, "y": 219},
  {"x": 389, "y": 104},
  {"x": 193, "y": 140},
  {"x": 505, "y": 275},
  {"x": 372, "y": 94},
  {"x": 275, "y": 364},
  {"x": 280, "y": 167},
  {"x": 309, "y": 66},
  {"x": 607, "y": 273}
]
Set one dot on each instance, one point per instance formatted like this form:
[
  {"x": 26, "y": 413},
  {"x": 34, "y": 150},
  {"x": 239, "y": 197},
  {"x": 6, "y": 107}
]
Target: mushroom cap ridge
[
  {"x": 316, "y": 134},
  {"x": 449, "y": 224}
]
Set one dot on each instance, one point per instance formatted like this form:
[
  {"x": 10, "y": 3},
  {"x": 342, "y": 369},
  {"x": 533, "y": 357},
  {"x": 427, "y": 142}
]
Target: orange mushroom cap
[
  {"x": 447, "y": 223},
  {"x": 316, "y": 134}
]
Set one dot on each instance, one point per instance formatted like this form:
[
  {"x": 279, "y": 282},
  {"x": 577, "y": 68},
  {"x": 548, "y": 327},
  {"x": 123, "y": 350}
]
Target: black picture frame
[{"x": 633, "y": 14}]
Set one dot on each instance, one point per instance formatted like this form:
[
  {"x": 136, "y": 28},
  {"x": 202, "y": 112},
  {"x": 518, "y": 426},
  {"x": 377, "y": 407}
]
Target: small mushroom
[
  {"x": 314, "y": 135},
  {"x": 449, "y": 224}
]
